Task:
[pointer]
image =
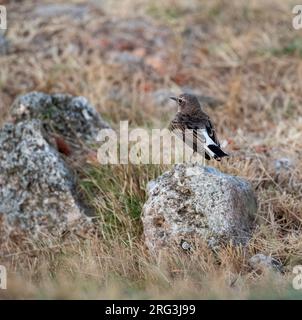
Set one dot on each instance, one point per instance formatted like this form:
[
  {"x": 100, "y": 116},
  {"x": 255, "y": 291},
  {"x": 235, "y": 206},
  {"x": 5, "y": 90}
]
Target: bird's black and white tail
[{"x": 212, "y": 149}]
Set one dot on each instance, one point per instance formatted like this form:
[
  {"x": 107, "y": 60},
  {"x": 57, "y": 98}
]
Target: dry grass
[{"x": 246, "y": 55}]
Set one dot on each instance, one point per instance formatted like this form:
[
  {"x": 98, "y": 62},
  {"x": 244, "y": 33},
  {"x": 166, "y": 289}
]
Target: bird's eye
[{"x": 180, "y": 100}]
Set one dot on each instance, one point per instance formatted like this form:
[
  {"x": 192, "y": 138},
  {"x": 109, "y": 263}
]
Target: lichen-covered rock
[
  {"x": 194, "y": 201},
  {"x": 73, "y": 118},
  {"x": 262, "y": 263},
  {"x": 37, "y": 190}
]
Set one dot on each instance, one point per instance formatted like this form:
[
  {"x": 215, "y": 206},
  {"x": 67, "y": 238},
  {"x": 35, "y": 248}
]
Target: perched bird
[{"x": 190, "y": 116}]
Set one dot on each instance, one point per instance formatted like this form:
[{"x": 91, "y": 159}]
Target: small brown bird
[{"x": 190, "y": 116}]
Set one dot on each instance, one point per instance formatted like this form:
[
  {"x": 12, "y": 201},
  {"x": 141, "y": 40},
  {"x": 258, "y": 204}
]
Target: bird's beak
[{"x": 173, "y": 98}]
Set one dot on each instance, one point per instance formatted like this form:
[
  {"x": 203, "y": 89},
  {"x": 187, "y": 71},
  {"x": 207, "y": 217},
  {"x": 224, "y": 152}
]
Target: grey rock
[
  {"x": 284, "y": 171},
  {"x": 124, "y": 57},
  {"x": 59, "y": 9},
  {"x": 203, "y": 99},
  {"x": 161, "y": 97},
  {"x": 261, "y": 263},
  {"x": 192, "y": 201},
  {"x": 37, "y": 189},
  {"x": 4, "y": 44},
  {"x": 127, "y": 60},
  {"x": 283, "y": 164},
  {"x": 74, "y": 118}
]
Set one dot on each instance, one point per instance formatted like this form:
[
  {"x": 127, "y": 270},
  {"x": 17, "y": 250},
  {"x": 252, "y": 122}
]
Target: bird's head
[{"x": 187, "y": 103}]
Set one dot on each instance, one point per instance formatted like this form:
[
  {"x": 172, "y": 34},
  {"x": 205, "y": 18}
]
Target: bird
[{"x": 190, "y": 116}]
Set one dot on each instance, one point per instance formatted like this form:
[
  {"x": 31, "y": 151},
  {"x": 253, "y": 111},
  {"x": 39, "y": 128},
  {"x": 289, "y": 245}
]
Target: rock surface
[
  {"x": 161, "y": 97},
  {"x": 37, "y": 189},
  {"x": 57, "y": 9},
  {"x": 4, "y": 44},
  {"x": 261, "y": 263},
  {"x": 283, "y": 164},
  {"x": 73, "y": 118},
  {"x": 194, "y": 201}
]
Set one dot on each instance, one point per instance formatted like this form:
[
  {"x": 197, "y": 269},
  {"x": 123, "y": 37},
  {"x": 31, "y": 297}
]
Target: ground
[{"x": 246, "y": 55}]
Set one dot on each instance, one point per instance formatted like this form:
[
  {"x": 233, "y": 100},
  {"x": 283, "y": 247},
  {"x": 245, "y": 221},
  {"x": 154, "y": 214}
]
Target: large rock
[
  {"x": 194, "y": 201},
  {"x": 73, "y": 118},
  {"x": 37, "y": 189}
]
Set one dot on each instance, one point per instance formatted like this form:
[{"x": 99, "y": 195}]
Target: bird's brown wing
[{"x": 195, "y": 139}]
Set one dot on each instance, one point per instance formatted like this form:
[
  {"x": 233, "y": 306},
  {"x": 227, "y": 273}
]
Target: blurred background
[
  {"x": 243, "y": 57},
  {"x": 127, "y": 56}
]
